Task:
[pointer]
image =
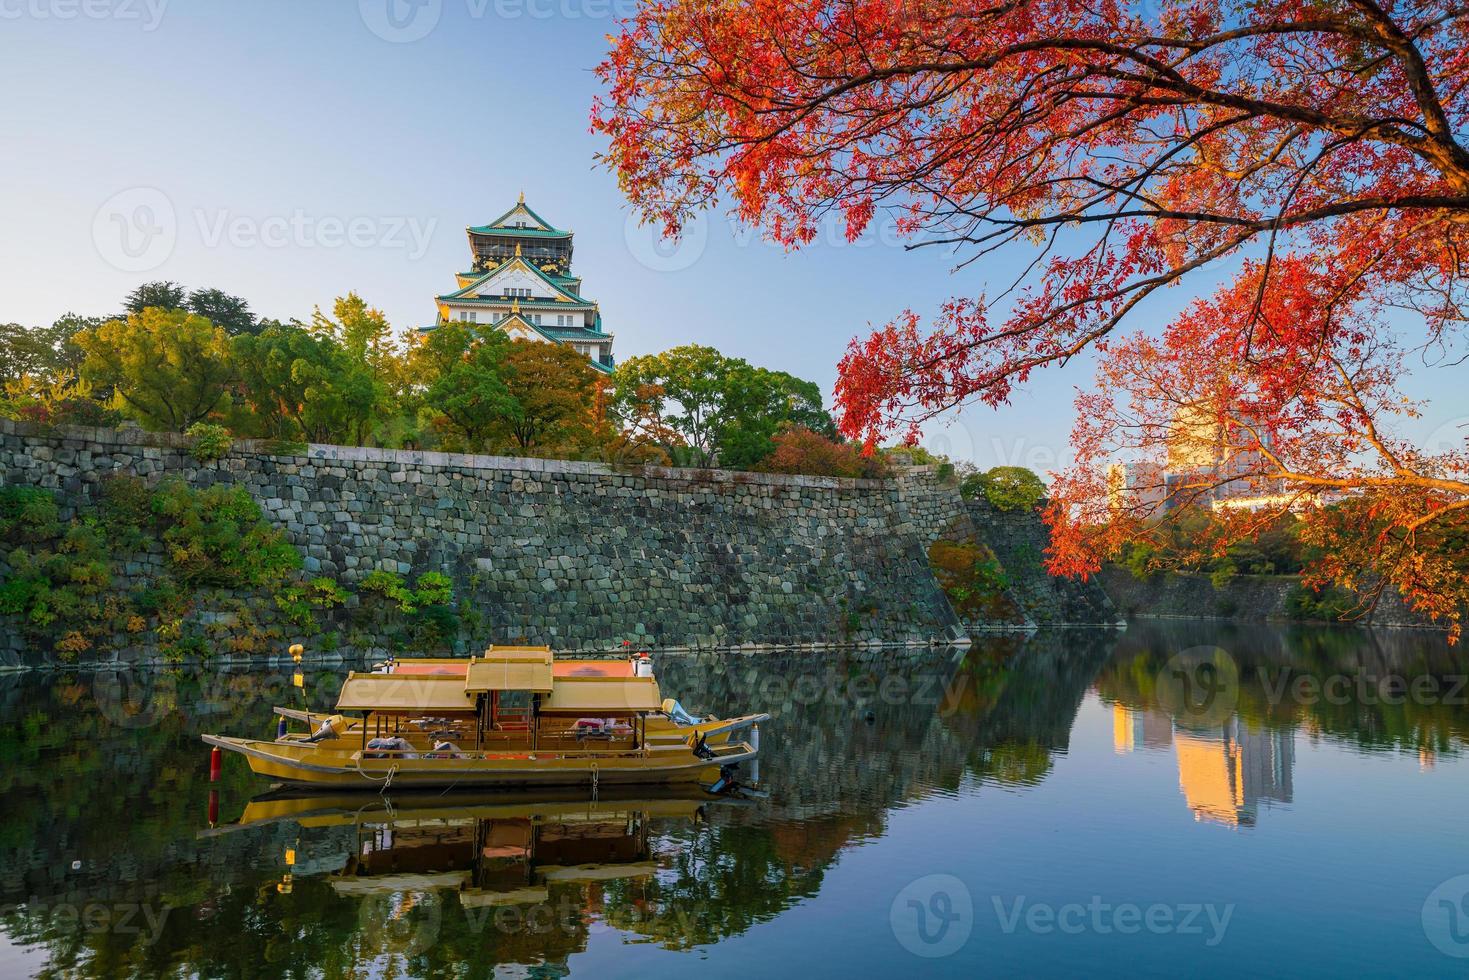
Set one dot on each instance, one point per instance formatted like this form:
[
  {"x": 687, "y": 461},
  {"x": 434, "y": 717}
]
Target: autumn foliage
[
  {"x": 799, "y": 450},
  {"x": 1312, "y": 154}
]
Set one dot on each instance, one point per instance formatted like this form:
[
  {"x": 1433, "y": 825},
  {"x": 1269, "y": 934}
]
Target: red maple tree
[{"x": 1319, "y": 147}]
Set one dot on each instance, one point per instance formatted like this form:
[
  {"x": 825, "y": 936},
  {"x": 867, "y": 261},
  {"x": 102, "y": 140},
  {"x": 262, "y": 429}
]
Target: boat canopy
[
  {"x": 602, "y": 695},
  {"x": 435, "y": 688},
  {"x": 510, "y": 669},
  {"x": 424, "y": 694}
]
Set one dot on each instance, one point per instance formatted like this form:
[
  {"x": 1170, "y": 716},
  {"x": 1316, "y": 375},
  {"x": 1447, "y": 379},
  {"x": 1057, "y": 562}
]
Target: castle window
[{"x": 473, "y": 317}]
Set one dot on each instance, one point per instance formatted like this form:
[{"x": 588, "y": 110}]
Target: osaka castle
[{"x": 521, "y": 282}]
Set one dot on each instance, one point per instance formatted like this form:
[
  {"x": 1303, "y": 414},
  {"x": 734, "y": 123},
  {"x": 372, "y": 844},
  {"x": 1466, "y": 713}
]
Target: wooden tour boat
[{"x": 516, "y": 716}]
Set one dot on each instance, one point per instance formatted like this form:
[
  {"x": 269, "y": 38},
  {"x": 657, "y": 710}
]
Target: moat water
[{"x": 1180, "y": 798}]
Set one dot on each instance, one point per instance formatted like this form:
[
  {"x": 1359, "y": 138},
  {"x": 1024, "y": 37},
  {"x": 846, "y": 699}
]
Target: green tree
[
  {"x": 361, "y": 330},
  {"x": 1006, "y": 487},
  {"x": 301, "y": 384},
  {"x": 167, "y": 368},
  {"x": 377, "y": 373},
  {"x": 703, "y": 407},
  {"x": 28, "y": 352},
  {"x": 553, "y": 390},
  {"x": 464, "y": 383},
  {"x": 763, "y": 401},
  {"x": 68, "y": 356},
  {"x": 223, "y": 310},
  {"x": 161, "y": 295}
]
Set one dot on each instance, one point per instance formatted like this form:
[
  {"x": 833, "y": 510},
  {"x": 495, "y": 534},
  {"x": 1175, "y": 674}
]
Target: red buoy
[{"x": 216, "y": 764}]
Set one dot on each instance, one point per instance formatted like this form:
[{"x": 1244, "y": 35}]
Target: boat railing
[
  {"x": 471, "y": 755},
  {"x": 384, "y": 755}
]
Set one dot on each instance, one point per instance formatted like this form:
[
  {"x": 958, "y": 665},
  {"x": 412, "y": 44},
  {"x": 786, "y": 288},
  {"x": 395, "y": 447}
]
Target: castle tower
[{"x": 520, "y": 282}]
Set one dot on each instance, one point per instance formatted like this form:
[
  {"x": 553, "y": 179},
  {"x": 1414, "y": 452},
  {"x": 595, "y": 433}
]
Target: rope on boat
[
  {"x": 387, "y": 780},
  {"x": 594, "y": 780}
]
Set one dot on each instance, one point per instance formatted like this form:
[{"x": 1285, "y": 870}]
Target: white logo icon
[
  {"x": 933, "y": 916},
  {"x": 653, "y": 251},
  {"x": 135, "y": 230},
  {"x": 401, "y": 21},
  {"x": 1446, "y": 917}
]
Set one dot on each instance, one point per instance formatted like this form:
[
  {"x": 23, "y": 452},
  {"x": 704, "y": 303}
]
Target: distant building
[
  {"x": 1138, "y": 487},
  {"x": 1206, "y": 465},
  {"x": 520, "y": 282}
]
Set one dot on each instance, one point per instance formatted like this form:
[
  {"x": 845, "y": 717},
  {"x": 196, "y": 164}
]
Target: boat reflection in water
[{"x": 487, "y": 849}]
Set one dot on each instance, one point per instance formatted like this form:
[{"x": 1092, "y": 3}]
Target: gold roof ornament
[
  {"x": 515, "y": 305},
  {"x": 517, "y": 250},
  {"x": 521, "y": 198}
]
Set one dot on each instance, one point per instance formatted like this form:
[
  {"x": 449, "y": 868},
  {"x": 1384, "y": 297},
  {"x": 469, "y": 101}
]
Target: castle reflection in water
[{"x": 1224, "y": 772}]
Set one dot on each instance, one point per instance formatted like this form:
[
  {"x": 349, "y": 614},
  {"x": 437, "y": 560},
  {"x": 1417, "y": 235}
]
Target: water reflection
[
  {"x": 1225, "y": 774},
  {"x": 108, "y": 865}
]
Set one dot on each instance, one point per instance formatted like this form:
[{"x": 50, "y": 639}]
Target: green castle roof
[
  {"x": 498, "y": 227},
  {"x": 459, "y": 295},
  {"x": 574, "y": 333}
]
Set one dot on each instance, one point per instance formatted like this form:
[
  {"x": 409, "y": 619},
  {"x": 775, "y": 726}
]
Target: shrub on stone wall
[
  {"x": 1326, "y": 605},
  {"x": 972, "y": 577},
  {"x": 209, "y": 442},
  {"x": 421, "y": 617},
  {"x": 142, "y": 561},
  {"x": 798, "y": 450}
]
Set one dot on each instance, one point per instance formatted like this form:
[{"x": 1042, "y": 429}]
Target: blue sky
[{"x": 291, "y": 150}]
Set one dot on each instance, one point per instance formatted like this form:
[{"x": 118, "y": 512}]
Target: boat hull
[{"x": 303, "y": 764}]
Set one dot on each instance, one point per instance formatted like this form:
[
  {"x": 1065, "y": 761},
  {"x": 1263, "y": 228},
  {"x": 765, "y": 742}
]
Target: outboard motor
[
  {"x": 678, "y": 714},
  {"x": 332, "y": 726},
  {"x": 726, "y": 780},
  {"x": 702, "y": 749}
]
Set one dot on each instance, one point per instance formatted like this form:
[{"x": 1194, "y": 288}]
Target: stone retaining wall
[
  {"x": 1244, "y": 598},
  {"x": 577, "y": 555},
  {"x": 1019, "y": 539}
]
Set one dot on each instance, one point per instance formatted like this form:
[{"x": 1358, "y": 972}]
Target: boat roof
[
  {"x": 406, "y": 694},
  {"x": 510, "y": 669},
  {"x": 560, "y": 667},
  {"x": 451, "y": 686},
  {"x": 590, "y": 695}
]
